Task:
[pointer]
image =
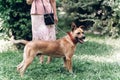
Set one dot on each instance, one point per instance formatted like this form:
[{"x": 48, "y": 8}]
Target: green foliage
[
  {"x": 98, "y": 15},
  {"x": 102, "y": 16},
  {"x": 16, "y": 18}
]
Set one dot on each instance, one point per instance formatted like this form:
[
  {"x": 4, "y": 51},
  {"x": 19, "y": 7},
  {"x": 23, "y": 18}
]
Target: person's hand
[
  {"x": 29, "y": 2},
  {"x": 56, "y": 19}
]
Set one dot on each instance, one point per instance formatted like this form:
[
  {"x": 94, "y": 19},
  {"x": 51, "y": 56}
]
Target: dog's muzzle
[{"x": 81, "y": 40}]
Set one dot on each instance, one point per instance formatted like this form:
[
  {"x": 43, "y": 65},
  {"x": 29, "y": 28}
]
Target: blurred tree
[
  {"x": 96, "y": 15},
  {"x": 16, "y": 18},
  {"x": 101, "y": 16}
]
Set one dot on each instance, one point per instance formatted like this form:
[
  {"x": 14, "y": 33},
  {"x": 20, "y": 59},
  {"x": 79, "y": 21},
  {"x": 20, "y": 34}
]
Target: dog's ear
[
  {"x": 82, "y": 26},
  {"x": 73, "y": 26}
]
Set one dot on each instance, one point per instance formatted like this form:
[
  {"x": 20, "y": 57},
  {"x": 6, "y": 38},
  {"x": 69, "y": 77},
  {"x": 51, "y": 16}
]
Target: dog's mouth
[{"x": 81, "y": 40}]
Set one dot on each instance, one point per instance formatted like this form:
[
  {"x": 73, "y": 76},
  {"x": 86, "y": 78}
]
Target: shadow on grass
[
  {"x": 93, "y": 48},
  {"x": 96, "y": 70}
]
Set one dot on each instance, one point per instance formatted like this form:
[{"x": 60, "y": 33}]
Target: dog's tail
[{"x": 20, "y": 41}]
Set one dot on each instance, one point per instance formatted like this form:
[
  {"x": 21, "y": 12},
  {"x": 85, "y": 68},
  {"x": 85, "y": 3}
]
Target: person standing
[{"x": 40, "y": 31}]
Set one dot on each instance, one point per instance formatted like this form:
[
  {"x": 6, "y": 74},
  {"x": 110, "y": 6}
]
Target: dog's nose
[{"x": 83, "y": 36}]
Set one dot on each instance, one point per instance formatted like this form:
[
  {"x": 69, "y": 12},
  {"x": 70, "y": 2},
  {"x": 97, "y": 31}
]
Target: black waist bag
[{"x": 49, "y": 19}]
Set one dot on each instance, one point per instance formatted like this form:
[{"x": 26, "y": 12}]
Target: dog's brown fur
[{"x": 63, "y": 47}]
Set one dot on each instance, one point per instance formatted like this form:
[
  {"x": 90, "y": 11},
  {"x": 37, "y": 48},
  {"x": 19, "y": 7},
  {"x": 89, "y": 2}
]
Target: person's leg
[
  {"x": 52, "y": 37},
  {"x": 39, "y": 30}
]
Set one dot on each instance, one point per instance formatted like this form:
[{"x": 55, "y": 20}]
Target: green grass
[{"x": 97, "y": 59}]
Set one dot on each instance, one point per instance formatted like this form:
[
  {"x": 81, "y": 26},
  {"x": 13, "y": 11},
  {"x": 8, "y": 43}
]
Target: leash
[
  {"x": 60, "y": 30},
  {"x": 68, "y": 33}
]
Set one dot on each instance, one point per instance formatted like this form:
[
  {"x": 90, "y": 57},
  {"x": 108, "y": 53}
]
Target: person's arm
[{"x": 53, "y": 4}]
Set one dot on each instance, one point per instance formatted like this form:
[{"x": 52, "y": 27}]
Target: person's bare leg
[
  {"x": 49, "y": 59},
  {"x": 41, "y": 58}
]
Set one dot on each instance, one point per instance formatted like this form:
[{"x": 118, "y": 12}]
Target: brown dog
[{"x": 63, "y": 47}]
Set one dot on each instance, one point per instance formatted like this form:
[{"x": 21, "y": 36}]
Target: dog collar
[{"x": 71, "y": 37}]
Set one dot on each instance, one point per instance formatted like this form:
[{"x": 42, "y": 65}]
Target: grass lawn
[{"x": 97, "y": 59}]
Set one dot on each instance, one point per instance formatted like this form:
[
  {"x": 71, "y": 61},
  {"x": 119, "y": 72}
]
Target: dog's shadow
[{"x": 55, "y": 67}]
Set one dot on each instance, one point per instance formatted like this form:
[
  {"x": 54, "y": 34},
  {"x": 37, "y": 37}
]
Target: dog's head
[{"x": 78, "y": 33}]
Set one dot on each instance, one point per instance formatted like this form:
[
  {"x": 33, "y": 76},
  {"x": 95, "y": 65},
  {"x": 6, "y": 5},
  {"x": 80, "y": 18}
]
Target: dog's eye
[
  {"x": 78, "y": 33},
  {"x": 82, "y": 32}
]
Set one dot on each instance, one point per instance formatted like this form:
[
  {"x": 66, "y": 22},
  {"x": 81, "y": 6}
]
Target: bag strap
[
  {"x": 35, "y": 7},
  {"x": 45, "y": 10}
]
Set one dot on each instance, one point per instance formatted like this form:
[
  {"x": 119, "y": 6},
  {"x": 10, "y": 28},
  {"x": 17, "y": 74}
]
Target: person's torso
[{"x": 37, "y": 7}]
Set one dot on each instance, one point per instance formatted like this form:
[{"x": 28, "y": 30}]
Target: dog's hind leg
[
  {"x": 27, "y": 62},
  {"x": 28, "y": 58},
  {"x": 20, "y": 66}
]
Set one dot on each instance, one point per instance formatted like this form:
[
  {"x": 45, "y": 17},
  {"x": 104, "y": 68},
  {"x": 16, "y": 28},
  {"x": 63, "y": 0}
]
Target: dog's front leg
[
  {"x": 65, "y": 62},
  {"x": 69, "y": 64}
]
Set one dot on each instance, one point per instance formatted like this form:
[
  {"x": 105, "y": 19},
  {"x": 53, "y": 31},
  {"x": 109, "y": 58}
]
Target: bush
[
  {"x": 16, "y": 18},
  {"x": 100, "y": 15}
]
